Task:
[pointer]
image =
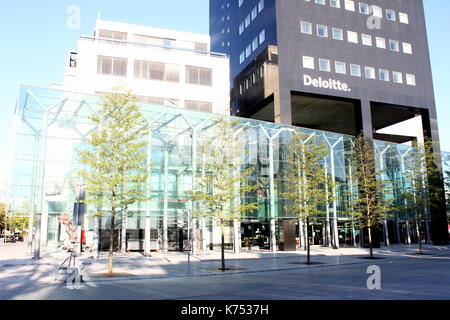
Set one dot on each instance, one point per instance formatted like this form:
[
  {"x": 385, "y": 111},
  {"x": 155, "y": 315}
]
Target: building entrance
[{"x": 255, "y": 235}]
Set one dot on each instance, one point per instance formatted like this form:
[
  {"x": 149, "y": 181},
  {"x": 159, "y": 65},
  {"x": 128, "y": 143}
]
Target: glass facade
[{"x": 50, "y": 125}]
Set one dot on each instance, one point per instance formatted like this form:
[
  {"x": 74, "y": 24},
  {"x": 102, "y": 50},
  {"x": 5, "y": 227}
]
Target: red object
[{"x": 83, "y": 237}]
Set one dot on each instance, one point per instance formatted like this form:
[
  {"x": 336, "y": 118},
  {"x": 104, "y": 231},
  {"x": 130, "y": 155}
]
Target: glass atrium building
[{"x": 51, "y": 124}]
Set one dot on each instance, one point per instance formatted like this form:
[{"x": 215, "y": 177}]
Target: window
[
  {"x": 384, "y": 75},
  {"x": 355, "y": 70},
  {"x": 112, "y": 66},
  {"x": 324, "y": 65},
  {"x": 363, "y": 8},
  {"x": 352, "y": 36},
  {"x": 197, "y": 75},
  {"x": 240, "y": 3},
  {"x": 198, "y": 106},
  {"x": 260, "y": 5},
  {"x": 254, "y": 12},
  {"x": 403, "y": 17},
  {"x": 241, "y": 28},
  {"x": 242, "y": 57},
  {"x": 366, "y": 40},
  {"x": 308, "y": 62},
  {"x": 397, "y": 77},
  {"x": 322, "y": 31},
  {"x": 248, "y": 51},
  {"x": 338, "y": 34},
  {"x": 262, "y": 36},
  {"x": 407, "y": 48},
  {"x": 381, "y": 42},
  {"x": 320, "y": 2},
  {"x": 410, "y": 79},
  {"x": 377, "y": 11},
  {"x": 349, "y": 5},
  {"x": 255, "y": 44},
  {"x": 335, "y": 3},
  {"x": 306, "y": 27},
  {"x": 390, "y": 15},
  {"x": 247, "y": 21},
  {"x": 172, "y": 73},
  {"x": 370, "y": 73},
  {"x": 340, "y": 67},
  {"x": 156, "y": 71},
  {"x": 115, "y": 35},
  {"x": 394, "y": 45}
]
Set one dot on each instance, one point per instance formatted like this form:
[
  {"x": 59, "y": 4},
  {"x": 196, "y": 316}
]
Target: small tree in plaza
[
  {"x": 372, "y": 205},
  {"x": 306, "y": 180},
  {"x": 114, "y": 162},
  {"x": 223, "y": 182}
]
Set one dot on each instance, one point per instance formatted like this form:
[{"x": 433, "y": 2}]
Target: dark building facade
[{"x": 335, "y": 65}]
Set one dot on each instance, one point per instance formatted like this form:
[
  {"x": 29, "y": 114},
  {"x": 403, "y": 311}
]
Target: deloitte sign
[{"x": 326, "y": 84}]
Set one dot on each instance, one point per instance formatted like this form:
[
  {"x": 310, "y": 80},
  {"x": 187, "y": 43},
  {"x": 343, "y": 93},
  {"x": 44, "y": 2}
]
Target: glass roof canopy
[{"x": 51, "y": 124}]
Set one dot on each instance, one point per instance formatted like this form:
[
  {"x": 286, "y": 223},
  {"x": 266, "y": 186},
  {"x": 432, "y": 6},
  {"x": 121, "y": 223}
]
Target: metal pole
[
  {"x": 327, "y": 206},
  {"x": 385, "y": 225},
  {"x": 335, "y": 222},
  {"x": 166, "y": 199},
  {"x": 273, "y": 240}
]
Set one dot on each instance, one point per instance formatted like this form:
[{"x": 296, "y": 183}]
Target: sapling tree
[
  {"x": 306, "y": 182},
  {"x": 114, "y": 160},
  {"x": 223, "y": 179}
]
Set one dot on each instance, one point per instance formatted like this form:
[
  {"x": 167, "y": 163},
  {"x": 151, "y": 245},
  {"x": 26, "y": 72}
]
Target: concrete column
[
  {"x": 364, "y": 120},
  {"x": 147, "y": 239},
  {"x": 236, "y": 236},
  {"x": 123, "y": 244},
  {"x": 282, "y": 107},
  {"x": 273, "y": 239}
]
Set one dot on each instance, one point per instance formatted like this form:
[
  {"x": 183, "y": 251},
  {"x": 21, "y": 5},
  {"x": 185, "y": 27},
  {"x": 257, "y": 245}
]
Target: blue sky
[{"x": 35, "y": 41}]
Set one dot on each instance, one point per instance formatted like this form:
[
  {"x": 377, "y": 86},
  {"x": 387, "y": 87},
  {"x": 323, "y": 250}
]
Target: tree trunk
[
  {"x": 307, "y": 243},
  {"x": 370, "y": 241},
  {"x": 222, "y": 227},
  {"x": 111, "y": 243}
]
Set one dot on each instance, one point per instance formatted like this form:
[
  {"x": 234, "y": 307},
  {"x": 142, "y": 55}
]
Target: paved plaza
[{"x": 336, "y": 274}]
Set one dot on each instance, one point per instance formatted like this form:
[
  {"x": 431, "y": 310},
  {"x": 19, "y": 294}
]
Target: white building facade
[{"x": 160, "y": 66}]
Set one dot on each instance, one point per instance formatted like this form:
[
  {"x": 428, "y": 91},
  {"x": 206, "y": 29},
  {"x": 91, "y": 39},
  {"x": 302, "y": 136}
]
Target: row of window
[
  {"x": 367, "y": 9},
  {"x": 257, "y": 41},
  {"x": 166, "y": 42},
  {"x": 251, "y": 16},
  {"x": 356, "y": 70},
  {"x": 149, "y": 70},
  {"x": 201, "y": 106},
  {"x": 256, "y": 75},
  {"x": 352, "y": 37}
]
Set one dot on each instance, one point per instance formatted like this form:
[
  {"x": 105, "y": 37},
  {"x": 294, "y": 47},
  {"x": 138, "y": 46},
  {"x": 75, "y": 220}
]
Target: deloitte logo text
[{"x": 326, "y": 84}]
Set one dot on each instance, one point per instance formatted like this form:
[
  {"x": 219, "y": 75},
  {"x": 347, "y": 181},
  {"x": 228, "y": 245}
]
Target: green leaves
[
  {"x": 305, "y": 177},
  {"x": 372, "y": 205},
  {"x": 114, "y": 155},
  {"x": 222, "y": 180}
]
